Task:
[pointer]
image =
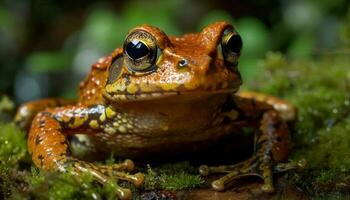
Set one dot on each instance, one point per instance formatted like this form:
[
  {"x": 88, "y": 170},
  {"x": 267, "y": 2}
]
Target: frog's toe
[
  {"x": 282, "y": 167},
  {"x": 122, "y": 193},
  {"x": 111, "y": 174},
  {"x": 128, "y": 165},
  {"x": 118, "y": 171},
  {"x": 136, "y": 179},
  {"x": 125, "y": 193},
  {"x": 254, "y": 166}
]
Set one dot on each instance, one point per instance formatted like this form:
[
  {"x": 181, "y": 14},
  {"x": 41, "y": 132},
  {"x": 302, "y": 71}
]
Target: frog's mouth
[{"x": 168, "y": 94}]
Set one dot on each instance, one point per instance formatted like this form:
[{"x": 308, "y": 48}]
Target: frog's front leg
[
  {"x": 26, "y": 112},
  {"x": 272, "y": 144},
  {"x": 48, "y": 145},
  {"x": 286, "y": 110}
]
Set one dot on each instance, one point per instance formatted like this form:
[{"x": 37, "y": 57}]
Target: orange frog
[{"x": 159, "y": 93}]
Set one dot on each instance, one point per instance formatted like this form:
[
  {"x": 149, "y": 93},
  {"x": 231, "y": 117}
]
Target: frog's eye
[
  {"x": 231, "y": 44},
  {"x": 140, "y": 51},
  {"x": 136, "y": 49}
]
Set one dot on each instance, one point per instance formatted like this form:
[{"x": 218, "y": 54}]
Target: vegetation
[
  {"x": 173, "y": 177},
  {"x": 321, "y": 91}
]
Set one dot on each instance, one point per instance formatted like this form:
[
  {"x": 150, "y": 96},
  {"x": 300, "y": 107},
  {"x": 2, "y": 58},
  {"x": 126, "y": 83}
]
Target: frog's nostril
[{"x": 182, "y": 63}]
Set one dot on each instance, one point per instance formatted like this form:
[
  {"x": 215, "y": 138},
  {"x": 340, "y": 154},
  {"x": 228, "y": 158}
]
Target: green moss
[
  {"x": 50, "y": 185},
  {"x": 151, "y": 179},
  {"x": 6, "y": 108},
  {"x": 6, "y": 185},
  {"x": 54, "y": 185},
  {"x": 13, "y": 145},
  {"x": 13, "y": 154},
  {"x": 331, "y": 147},
  {"x": 177, "y": 176},
  {"x": 6, "y": 104},
  {"x": 321, "y": 91},
  {"x": 322, "y": 183},
  {"x": 13, "y": 157},
  {"x": 181, "y": 181}
]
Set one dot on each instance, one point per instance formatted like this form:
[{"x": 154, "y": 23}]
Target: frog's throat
[{"x": 159, "y": 95}]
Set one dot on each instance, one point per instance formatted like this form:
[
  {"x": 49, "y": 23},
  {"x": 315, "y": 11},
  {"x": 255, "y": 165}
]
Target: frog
[{"x": 158, "y": 93}]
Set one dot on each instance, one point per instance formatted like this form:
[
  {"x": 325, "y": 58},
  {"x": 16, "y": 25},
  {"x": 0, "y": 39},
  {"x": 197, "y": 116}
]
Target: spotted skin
[
  {"x": 27, "y": 112},
  {"x": 184, "y": 94}
]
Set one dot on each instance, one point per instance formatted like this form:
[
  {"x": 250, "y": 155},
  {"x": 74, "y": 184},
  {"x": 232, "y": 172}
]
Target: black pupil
[
  {"x": 234, "y": 44},
  {"x": 136, "y": 49}
]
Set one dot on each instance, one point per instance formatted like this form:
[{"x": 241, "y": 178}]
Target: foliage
[
  {"x": 13, "y": 145},
  {"x": 320, "y": 90},
  {"x": 177, "y": 176},
  {"x": 13, "y": 156}
]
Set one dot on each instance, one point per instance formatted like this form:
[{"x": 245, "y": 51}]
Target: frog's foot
[
  {"x": 255, "y": 166},
  {"x": 108, "y": 173}
]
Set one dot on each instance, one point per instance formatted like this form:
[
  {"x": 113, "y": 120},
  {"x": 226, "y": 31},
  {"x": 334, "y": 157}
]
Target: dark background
[{"x": 47, "y": 46}]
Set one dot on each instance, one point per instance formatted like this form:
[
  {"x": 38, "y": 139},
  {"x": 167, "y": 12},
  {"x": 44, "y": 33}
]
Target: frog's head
[{"x": 152, "y": 65}]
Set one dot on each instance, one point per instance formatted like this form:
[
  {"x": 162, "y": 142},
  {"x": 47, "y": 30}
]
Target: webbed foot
[{"x": 255, "y": 166}]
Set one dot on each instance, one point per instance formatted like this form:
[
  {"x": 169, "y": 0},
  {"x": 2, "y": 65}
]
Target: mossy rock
[{"x": 321, "y": 91}]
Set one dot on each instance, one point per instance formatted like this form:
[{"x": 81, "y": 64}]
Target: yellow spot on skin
[
  {"x": 110, "y": 130},
  {"x": 132, "y": 88},
  {"x": 169, "y": 86},
  {"x": 116, "y": 87},
  {"x": 122, "y": 129},
  {"x": 110, "y": 113},
  {"x": 65, "y": 119},
  {"x": 94, "y": 124},
  {"x": 103, "y": 117},
  {"x": 78, "y": 121}
]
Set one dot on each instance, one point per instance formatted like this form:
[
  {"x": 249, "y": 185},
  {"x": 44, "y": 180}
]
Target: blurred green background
[{"x": 48, "y": 46}]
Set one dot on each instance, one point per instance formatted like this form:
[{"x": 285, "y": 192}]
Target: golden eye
[
  {"x": 140, "y": 51},
  {"x": 231, "y": 44}
]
